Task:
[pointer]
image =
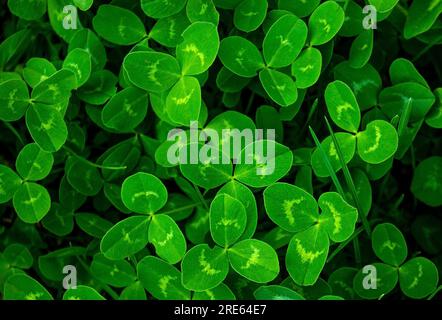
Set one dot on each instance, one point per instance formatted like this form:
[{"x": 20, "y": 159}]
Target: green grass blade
[
  {"x": 327, "y": 163},
  {"x": 404, "y": 119},
  {"x": 349, "y": 180}
]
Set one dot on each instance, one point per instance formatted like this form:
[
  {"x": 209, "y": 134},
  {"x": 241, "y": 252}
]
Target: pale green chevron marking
[
  {"x": 253, "y": 259},
  {"x": 169, "y": 236},
  {"x": 207, "y": 268},
  {"x": 192, "y": 48},
  {"x": 377, "y": 142},
  {"x": 415, "y": 281},
  {"x": 163, "y": 283},
  {"x": 306, "y": 256},
  {"x": 337, "y": 218}
]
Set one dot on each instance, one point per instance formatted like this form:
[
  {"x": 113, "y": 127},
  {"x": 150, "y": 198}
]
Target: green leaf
[
  {"x": 23, "y": 287},
  {"x": 280, "y": 87},
  {"x": 325, "y": 22},
  {"x": 204, "y": 268},
  {"x": 389, "y": 244},
  {"x": 32, "y": 202},
  {"x": 33, "y": 163},
  {"x": 250, "y": 14},
  {"x": 361, "y": 49},
  {"x": 347, "y": 143},
  {"x": 300, "y": 8},
  {"x": 354, "y": 17},
  {"x": 221, "y": 292},
  {"x": 115, "y": 273},
  {"x": 162, "y": 8},
  {"x": 82, "y": 293},
  {"x": 211, "y": 171},
  {"x": 363, "y": 191},
  {"x": 386, "y": 280},
  {"x": 383, "y": 6},
  {"x": 84, "y": 5},
  {"x": 152, "y": 71},
  {"x": 14, "y": 100},
  {"x": 79, "y": 61},
  {"x": 314, "y": 292},
  {"x": 421, "y": 16},
  {"x": 284, "y": 41},
  {"x": 393, "y": 100},
  {"x": 263, "y": 163},
  {"x": 56, "y": 88},
  {"x": 338, "y": 216},
  {"x": 125, "y": 238},
  {"x": 143, "y": 193},
  {"x": 306, "y": 69},
  {"x": 403, "y": 70},
  {"x": 52, "y": 264},
  {"x": 255, "y": 260},
  {"x": 47, "y": 127},
  {"x": 27, "y": 9},
  {"x": 229, "y": 82},
  {"x": 244, "y": 195},
  {"x": 167, "y": 238},
  {"x": 227, "y": 220},
  {"x": 59, "y": 220},
  {"x": 418, "y": 278},
  {"x": 100, "y": 87},
  {"x": 14, "y": 46},
  {"x": 83, "y": 177},
  {"x": 71, "y": 199},
  {"x": 378, "y": 142},
  {"x": 426, "y": 184},
  {"x": 364, "y": 82},
  {"x": 342, "y": 106},
  {"x": 64, "y": 20},
  {"x": 135, "y": 291},
  {"x": 202, "y": 10},
  {"x": 290, "y": 207},
  {"x": 197, "y": 52},
  {"x": 125, "y": 110},
  {"x": 37, "y": 70},
  {"x": 92, "y": 224},
  {"x": 306, "y": 255},
  {"x": 125, "y": 154},
  {"x": 331, "y": 297},
  {"x": 275, "y": 292},
  {"x": 18, "y": 255},
  {"x": 240, "y": 56},
  {"x": 341, "y": 282},
  {"x": 167, "y": 31},
  {"x": 161, "y": 280},
  {"x": 89, "y": 41},
  {"x": 197, "y": 228},
  {"x": 126, "y": 29},
  {"x": 238, "y": 123},
  {"x": 9, "y": 183},
  {"x": 183, "y": 102}
]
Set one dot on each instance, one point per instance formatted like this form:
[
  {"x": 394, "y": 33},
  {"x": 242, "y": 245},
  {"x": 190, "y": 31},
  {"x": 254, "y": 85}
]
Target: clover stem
[
  {"x": 349, "y": 180},
  {"x": 106, "y": 288},
  {"x": 249, "y": 104},
  {"x": 200, "y": 196},
  {"x": 193, "y": 205},
  {"x": 14, "y": 131},
  {"x": 434, "y": 293},
  {"x": 425, "y": 50},
  {"x": 69, "y": 150},
  {"x": 327, "y": 163}
]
